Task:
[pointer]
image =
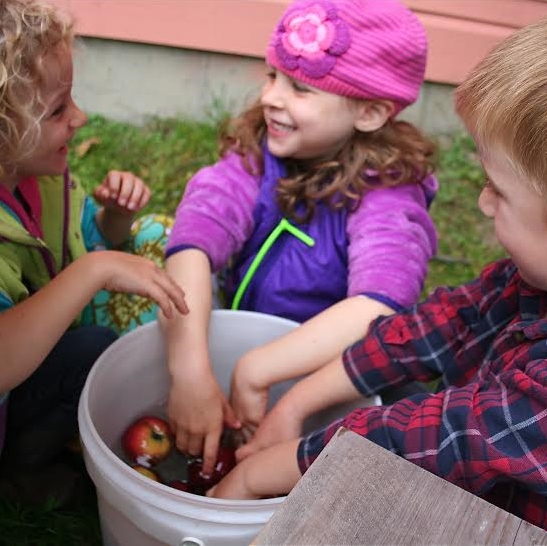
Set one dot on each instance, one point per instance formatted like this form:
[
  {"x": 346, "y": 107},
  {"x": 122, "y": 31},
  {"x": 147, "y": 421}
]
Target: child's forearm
[
  {"x": 325, "y": 388},
  {"x": 67, "y": 294},
  {"x": 274, "y": 471},
  {"x": 315, "y": 343},
  {"x": 33, "y": 319},
  {"x": 115, "y": 227},
  {"x": 187, "y": 335},
  {"x": 197, "y": 405}
]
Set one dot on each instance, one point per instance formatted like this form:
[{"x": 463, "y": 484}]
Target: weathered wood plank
[
  {"x": 529, "y": 534},
  {"x": 358, "y": 493}
]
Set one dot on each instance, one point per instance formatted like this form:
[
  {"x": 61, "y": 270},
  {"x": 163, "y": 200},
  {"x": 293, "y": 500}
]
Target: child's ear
[{"x": 373, "y": 114}]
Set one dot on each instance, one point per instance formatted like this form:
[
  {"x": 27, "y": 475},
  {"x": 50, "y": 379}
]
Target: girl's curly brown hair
[
  {"x": 29, "y": 31},
  {"x": 398, "y": 152}
]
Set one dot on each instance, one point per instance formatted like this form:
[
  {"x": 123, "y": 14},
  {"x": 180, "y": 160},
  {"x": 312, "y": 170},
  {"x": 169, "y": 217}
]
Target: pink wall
[{"x": 460, "y": 31}]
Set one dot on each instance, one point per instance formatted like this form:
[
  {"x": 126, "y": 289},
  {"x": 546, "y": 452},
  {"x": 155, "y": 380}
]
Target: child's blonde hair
[
  {"x": 503, "y": 102},
  {"x": 398, "y": 153},
  {"x": 29, "y": 31}
]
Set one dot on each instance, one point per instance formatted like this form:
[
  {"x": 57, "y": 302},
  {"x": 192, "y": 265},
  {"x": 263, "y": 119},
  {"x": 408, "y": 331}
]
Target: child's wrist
[
  {"x": 251, "y": 372},
  {"x": 292, "y": 408},
  {"x": 118, "y": 213}
]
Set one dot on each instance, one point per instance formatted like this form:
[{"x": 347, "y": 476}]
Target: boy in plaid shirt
[{"x": 486, "y": 429}]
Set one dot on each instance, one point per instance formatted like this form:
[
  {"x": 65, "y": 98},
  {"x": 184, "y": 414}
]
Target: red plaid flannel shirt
[{"x": 486, "y": 428}]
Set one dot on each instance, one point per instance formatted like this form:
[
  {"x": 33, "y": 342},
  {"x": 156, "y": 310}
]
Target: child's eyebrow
[
  {"x": 489, "y": 180},
  {"x": 60, "y": 95}
]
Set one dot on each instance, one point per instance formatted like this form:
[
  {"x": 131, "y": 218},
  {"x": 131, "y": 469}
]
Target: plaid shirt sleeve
[{"x": 488, "y": 426}]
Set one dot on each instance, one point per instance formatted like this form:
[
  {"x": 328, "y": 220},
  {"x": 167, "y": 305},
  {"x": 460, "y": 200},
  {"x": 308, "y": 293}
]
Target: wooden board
[{"x": 359, "y": 493}]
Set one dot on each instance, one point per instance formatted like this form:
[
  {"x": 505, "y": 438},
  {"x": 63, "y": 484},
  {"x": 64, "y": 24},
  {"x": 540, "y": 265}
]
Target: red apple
[
  {"x": 148, "y": 472},
  {"x": 181, "y": 485},
  {"x": 198, "y": 482},
  {"x": 148, "y": 441}
]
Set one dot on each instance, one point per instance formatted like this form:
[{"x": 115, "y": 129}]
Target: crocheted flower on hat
[{"x": 311, "y": 38}]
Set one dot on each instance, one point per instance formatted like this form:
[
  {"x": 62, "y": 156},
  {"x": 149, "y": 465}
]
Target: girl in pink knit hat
[
  {"x": 317, "y": 210},
  {"x": 485, "y": 341}
]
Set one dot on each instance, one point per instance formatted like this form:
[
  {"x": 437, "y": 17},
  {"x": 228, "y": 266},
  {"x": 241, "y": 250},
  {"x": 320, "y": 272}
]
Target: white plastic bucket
[{"x": 131, "y": 376}]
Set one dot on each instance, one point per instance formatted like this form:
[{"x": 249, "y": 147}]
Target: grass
[
  {"x": 47, "y": 526},
  {"x": 466, "y": 238},
  {"x": 165, "y": 153}
]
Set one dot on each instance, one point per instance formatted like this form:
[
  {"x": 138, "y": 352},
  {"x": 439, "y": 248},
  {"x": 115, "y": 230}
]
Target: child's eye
[
  {"x": 488, "y": 184},
  {"x": 300, "y": 87},
  {"x": 271, "y": 75},
  {"x": 58, "y": 111}
]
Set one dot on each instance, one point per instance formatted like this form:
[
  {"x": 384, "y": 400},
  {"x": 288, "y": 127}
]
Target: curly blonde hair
[
  {"x": 29, "y": 31},
  {"x": 397, "y": 152}
]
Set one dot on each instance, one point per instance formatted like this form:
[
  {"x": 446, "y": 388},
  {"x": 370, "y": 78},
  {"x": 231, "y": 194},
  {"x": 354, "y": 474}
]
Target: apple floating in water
[{"x": 148, "y": 441}]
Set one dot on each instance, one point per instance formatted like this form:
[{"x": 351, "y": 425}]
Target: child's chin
[
  {"x": 59, "y": 167},
  {"x": 277, "y": 150}
]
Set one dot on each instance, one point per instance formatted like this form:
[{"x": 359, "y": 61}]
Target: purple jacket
[{"x": 380, "y": 250}]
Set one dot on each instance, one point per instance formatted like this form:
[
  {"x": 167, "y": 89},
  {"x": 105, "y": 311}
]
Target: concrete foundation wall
[{"x": 131, "y": 82}]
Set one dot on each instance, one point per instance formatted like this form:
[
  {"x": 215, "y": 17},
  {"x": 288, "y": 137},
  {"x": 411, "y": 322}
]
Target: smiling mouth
[{"x": 278, "y": 127}]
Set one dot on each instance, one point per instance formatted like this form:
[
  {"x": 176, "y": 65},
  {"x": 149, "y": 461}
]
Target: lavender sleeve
[
  {"x": 216, "y": 211},
  {"x": 391, "y": 240}
]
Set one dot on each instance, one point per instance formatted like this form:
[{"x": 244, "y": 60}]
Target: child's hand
[
  {"x": 281, "y": 424},
  {"x": 124, "y": 272},
  {"x": 233, "y": 485},
  {"x": 198, "y": 410},
  {"x": 122, "y": 193},
  {"x": 271, "y": 472},
  {"x": 249, "y": 399}
]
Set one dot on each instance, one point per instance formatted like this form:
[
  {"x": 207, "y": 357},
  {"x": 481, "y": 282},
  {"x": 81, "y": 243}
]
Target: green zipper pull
[{"x": 283, "y": 225}]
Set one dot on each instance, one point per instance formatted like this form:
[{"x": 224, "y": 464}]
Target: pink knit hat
[{"x": 366, "y": 49}]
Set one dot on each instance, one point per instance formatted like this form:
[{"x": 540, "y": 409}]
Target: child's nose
[
  {"x": 78, "y": 118},
  {"x": 487, "y": 202},
  {"x": 273, "y": 94}
]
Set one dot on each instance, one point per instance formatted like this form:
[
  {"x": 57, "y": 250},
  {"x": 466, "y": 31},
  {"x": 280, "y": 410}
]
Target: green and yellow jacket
[{"x": 46, "y": 224}]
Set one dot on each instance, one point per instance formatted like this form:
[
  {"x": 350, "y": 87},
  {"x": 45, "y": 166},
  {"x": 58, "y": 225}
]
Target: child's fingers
[
  {"x": 210, "y": 450},
  {"x": 168, "y": 294},
  {"x": 174, "y": 292},
  {"x": 140, "y": 197},
  {"x": 134, "y": 193},
  {"x": 130, "y": 190},
  {"x": 126, "y": 189},
  {"x": 230, "y": 419},
  {"x": 151, "y": 281},
  {"x": 101, "y": 193},
  {"x": 112, "y": 183}
]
